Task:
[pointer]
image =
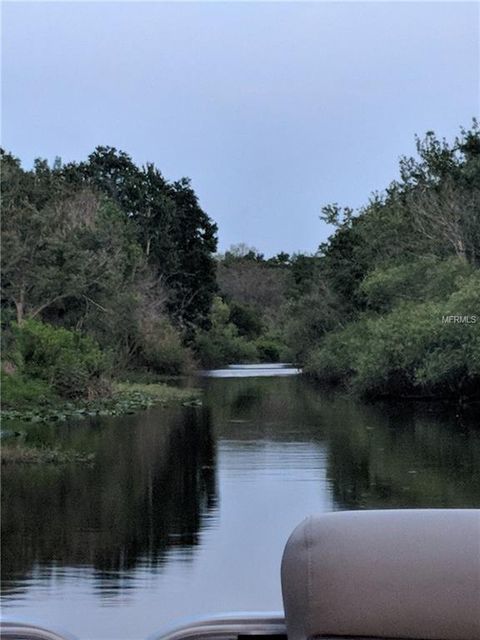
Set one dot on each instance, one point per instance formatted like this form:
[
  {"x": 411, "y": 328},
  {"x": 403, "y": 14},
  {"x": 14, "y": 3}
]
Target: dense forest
[{"x": 109, "y": 269}]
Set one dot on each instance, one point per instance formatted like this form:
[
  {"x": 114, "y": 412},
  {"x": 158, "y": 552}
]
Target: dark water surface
[{"x": 186, "y": 510}]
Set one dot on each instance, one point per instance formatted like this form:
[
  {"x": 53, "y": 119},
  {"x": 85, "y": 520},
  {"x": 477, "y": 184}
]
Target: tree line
[
  {"x": 372, "y": 317},
  {"x": 106, "y": 266},
  {"x": 109, "y": 267},
  {"x": 389, "y": 305}
]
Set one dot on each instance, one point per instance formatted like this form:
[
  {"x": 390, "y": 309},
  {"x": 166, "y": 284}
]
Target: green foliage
[
  {"x": 255, "y": 290},
  {"x": 70, "y": 363},
  {"x": 241, "y": 252},
  {"x": 248, "y": 279},
  {"x": 160, "y": 347},
  {"x": 222, "y": 344},
  {"x": 411, "y": 349},
  {"x": 238, "y": 334},
  {"x": 26, "y": 393},
  {"x": 40, "y": 404},
  {"x": 424, "y": 278},
  {"x": 216, "y": 350},
  {"x": 432, "y": 211},
  {"x": 158, "y": 393},
  {"x": 310, "y": 317},
  {"x": 334, "y": 361},
  {"x": 247, "y": 319},
  {"x": 453, "y": 359},
  {"x": 114, "y": 251},
  {"x": 390, "y": 273},
  {"x": 108, "y": 249},
  {"x": 62, "y": 248},
  {"x": 177, "y": 237},
  {"x": 271, "y": 348}
]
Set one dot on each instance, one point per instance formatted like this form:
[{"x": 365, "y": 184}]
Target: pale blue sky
[{"x": 272, "y": 109}]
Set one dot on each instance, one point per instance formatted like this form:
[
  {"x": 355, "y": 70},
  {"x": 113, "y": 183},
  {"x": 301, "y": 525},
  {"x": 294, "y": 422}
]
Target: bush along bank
[
  {"x": 418, "y": 347},
  {"x": 52, "y": 373}
]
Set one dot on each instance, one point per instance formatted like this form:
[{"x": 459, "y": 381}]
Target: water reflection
[
  {"x": 150, "y": 489},
  {"x": 186, "y": 511},
  {"x": 377, "y": 455}
]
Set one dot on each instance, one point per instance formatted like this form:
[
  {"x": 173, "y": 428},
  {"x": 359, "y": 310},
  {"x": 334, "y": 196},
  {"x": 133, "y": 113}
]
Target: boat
[{"x": 391, "y": 574}]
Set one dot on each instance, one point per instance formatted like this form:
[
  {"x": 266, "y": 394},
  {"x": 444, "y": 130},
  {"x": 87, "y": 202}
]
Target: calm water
[{"x": 186, "y": 510}]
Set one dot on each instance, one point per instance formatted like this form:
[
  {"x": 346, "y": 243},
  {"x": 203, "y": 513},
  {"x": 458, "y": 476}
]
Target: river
[{"x": 186, "y": 510}]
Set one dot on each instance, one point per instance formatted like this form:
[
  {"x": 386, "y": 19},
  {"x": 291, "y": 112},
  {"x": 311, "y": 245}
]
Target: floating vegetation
[{"x": 127, "y": 398}]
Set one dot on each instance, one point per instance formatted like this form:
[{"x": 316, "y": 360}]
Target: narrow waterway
[{"x": 186, "y": 510}]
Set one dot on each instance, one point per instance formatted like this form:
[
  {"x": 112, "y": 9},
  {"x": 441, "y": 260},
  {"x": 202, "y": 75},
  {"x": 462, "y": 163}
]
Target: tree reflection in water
[
  {"x": 152, "y": 485},
  {"x": 381, "y": 455}
]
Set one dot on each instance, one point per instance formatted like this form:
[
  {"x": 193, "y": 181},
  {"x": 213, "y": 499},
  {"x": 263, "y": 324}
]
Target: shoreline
[{"x": 127, "y": 398}]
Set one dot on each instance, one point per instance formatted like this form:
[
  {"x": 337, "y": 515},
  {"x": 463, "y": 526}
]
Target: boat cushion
[{"x": 384, "y": 574}]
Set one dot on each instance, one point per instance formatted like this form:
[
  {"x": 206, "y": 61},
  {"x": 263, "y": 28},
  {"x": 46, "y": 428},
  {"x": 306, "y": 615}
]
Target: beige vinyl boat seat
[{"x": 384, "y": 574}]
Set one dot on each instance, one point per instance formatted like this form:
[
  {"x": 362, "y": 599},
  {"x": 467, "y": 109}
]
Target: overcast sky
[{"x": 272, "y": 109}]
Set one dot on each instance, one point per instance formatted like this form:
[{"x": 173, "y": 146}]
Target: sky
[{"x": 272, "y": 109}]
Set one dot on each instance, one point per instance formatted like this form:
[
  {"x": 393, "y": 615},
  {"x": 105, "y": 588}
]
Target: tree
[
  {"x": 57, "y": 243},
  {"x": 241, "y": 251},
  {"x": 193, "y": 283},
  {"x": 253, "y": 283},
  {"x": 443, "y": 192},
  {"x": 447, "y": 215},
  {"x": 177, "y": 236}
]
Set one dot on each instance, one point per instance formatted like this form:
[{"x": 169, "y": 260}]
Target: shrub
[
  {"x": 161, "y": 348},
  {"x": 453, "y": 358},
  {"x": 424, "y": 279},
  {"x": 334, "y": 361},
  {"x": 247, "y": 319},
  {"x": 310, "y": 318},
  {"x": 409, "y": 350},
  {"x": 270, "y": 349},
  {"x": 72, "y": 364},
  {"x": 393, "y": 348},
  {"x": 217, "y": 349},
  {"x": 21, "y": 393},
  {"x": 222, "y": 344}
]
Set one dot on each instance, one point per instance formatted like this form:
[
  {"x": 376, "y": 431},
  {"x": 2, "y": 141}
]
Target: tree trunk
[
  {"x": 460, "y": 249},
  {"x": 20, "y": 306},
  {"x": 20, "y": 311}
]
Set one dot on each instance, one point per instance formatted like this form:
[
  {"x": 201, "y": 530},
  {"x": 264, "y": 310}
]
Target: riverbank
[{"x": 125, "y": 398}]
